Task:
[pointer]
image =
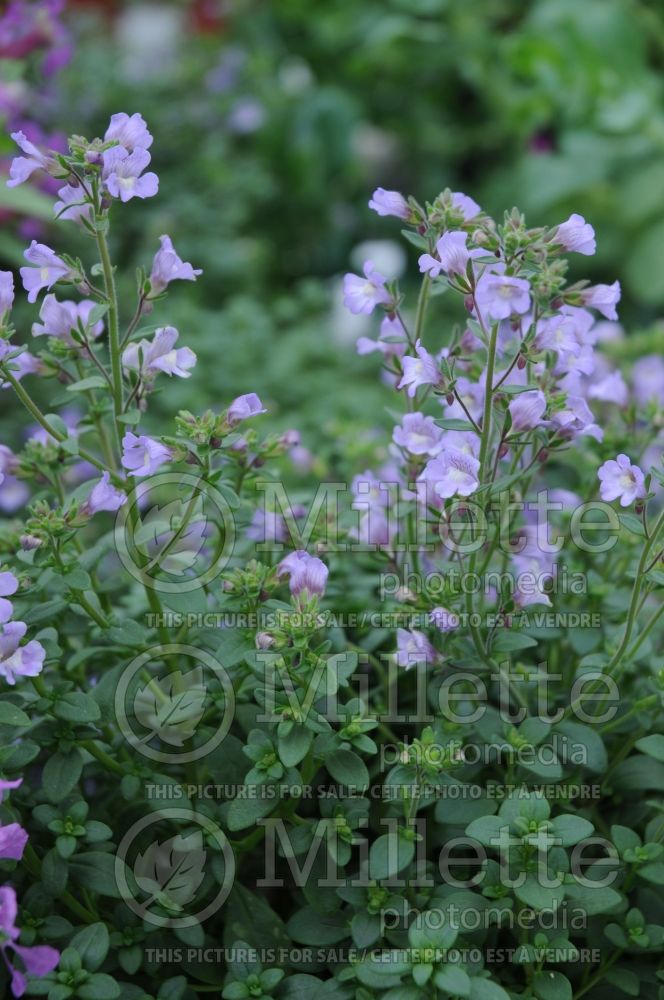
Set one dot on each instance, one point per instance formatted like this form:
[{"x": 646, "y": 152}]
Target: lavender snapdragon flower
[
  {"x": 129, "y": 131},
  {"x": 13, "y": 837},
  {"x": 8, "y": 586},
  {"x": 47, "y": 269},
  {"x": 648, "y": 380},
  {"x": 444, "y": 620},
  {"x": 103, "y": 496},
  {"x": 418, "y": 371},
  {"x": 160, "y": 355},
  {"x": 72, "y": 205},
  {"x": 453, "y": 256},
  {"x": 123, "y": 173},
  {"x": 363, "y": 294},
  {"x": 167, "y": 267},
  {"x": 389, "y": 203},
  {"x": 603, "y": 298},
  {"x": 527, "y": 410},
  {"x": 23, "y": 167},
  {"x": 243, "y": 407},
  {"x": 38, "y": 960},
  {"x": 418, "y": 435},
  {"x": 610, "y": 389},
  {"x": 142, "y": 455},
  {"x": 308, "y": 574},
  {"x": 19, "y": 661},
  {"x": 391, "y": 341},
  {"x": 576, "y": 420},
  {"x": 414, "y": 647},
  {"x": 466, "y": 205},
  {"x": 619, "y": 479},
  {"x": 576, "y": 236},
  {"x": 59, "y": 319},
  {"x": 21, "y": 364},
  {"x": 500, "y": 296},
  {"x": 453, "y": 473}
]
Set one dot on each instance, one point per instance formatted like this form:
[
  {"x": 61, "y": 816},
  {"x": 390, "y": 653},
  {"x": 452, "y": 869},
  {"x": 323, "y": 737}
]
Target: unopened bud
[
  {"x": 264, "y": 640},
  {"x": 543, "y": 455},
  {"x": 521, "y": 363},
  {"x": 449, "y": 398},
  {"x": 502, "y": 451},
  {"x": 30, "y": 542},
  {"x": 421, "y": 229},
  {"x": 469, "y": 303},
  {"x": 638, "y": 509}
]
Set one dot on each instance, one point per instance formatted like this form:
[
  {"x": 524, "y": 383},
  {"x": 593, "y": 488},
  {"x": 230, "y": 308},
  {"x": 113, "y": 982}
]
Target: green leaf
[
  {"x": 77, "y": 707},
  {"x": 348, "y": 769},
  {"x": 12, "y": 715},
  {"x": 552, "y": 986},
  {"x": 571, "y": 829},
  {"x": 507, "y": 641},
  {"x": 486, "y": 989},
  {"x": 61, "y": 773},
  {"x": 85, "y": 384},
  {"x": 99, "y": 986},
  {"x": 247, "y": 807},
  {"x": 92, "y": 944},
  {"x": 652, "y": 745},
  {"x": 294, "y": 747},
  {"x": 389, "y": 855},
  {"x": 307, "y": 926}
]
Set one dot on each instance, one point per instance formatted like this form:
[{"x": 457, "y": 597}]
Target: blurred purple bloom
[
  {"x": 444, "y": 620},
  {"x": 129, "y": 130},
  {"x": 248, "y": 405},
  {"x": 648, "y": 380},
  {"x": 576, "y": 236},
  {"x": 308, "y": 574},
  {"x": 576, "y": 420},
  {"x": 610, "y": 389},
  {"x": 527, "y": 409},
  {"x": 6, "y": 292},
  {"x": 37, "y": 960},
  {"x": 468, "y": 208},
  {"x": 414, "y": 647},
  {"x": 167, "y": 267},
  {"x": 418, "y": 434},
  {"x": 19, "y": 661},
  {"x": 103, "y": 496},
  {"x": 389, "y": 203},
  {"x": 362, "y": 295},
  {"x": 391, "y": 339},
  {"x": 8, "y": 586},
  {"x": 13, "y": 839},
  {"x": 620, "y": 479},
  {"x": 20, "y": 365},
  {"x": 246, "y": 116},
  {"x": 59, "y": 319},
  {"x": 46, "y": 270},
  {"x": 418, "y": 371},
  {"x": 500, "y": 296},
  {"x": 604, "y": 298},
  {"x": 123, "y": 174},
  {"x": 453, "y": 256},
  {"x": 142, "y": 455},
  {"x": 160, "y": 354}
]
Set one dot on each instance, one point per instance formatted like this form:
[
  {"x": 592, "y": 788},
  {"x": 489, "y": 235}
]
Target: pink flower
[
  {"x": 604, "y": 298},
  {"x": 389, "y": 203},
  {"x": 160, "y": 355},
  {"x": 362, "y": 295},
  {"x": 142, "y": 455},
  {"x": 453, "y": 256},
  {"x": 576, "y": 236},
  {"x": 620, "y": 479},
  {"x": 308, "y": 574}
]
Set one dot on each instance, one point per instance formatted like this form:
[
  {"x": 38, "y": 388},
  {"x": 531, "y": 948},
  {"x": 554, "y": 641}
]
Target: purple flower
[
  {"x": 453, "y": 256},
  {"x": 610, "y": 389},
  {"x": 6, "y": 292},
  {"x": 46, "y": 270},
  {"x": 167, "y": 267},
  {"x": 13, "y": 839},
  {"x": 362, "y": 295},
  {"x": 527, "y": 409},
  {"x": 576, "y": 420},
  {"x": 23, "y": 167},
  {"x": 21, "y": 364},
  {"x": 389, "y": 203},
  {"x": 414, "y": 647},
  {"x": 418, "y": 371},
  {"x": 500, "y": 296},
  {"x": 72, "y": 205},
  {"x": 123, "y": 174},
  {"x": 648, "y": 380},
  {"x": 142, "y": 455},
  {"x": 60, "y": 318},
  {"x": 468, "y": 208},
  {"x": 38, "y": 960},
  {"x": 453, "y": 473},
  {"x": 8, "y": 586},
  {"x": 160, "y": 355},
  {"x": 620, "y": 479},
  {"x": 418, "y": 434},
  {"x": 19, "y": 661},
  {"x": 103, "y": 496},
  {"x": 604, "y": 298},
  {"x": 308, "y": 574},
  {"x": 444, "y": 620},
  {"x": 7, "y": 785},
  {"x": 129, "y": 130},
  {"x": 391, "y": 339},
  {"x": 243, "y": 407},
  {"x": 576, "y": 236}
]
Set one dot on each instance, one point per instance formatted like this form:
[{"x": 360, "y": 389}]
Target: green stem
[
  {"x": 113, "y": 331},
  {"x": 422, "y": 301}
]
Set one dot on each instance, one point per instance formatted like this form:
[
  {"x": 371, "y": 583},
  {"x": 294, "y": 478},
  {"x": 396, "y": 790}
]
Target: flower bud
[
  {"x": 30, "y": 542},
  {"x": 521, "y": 363},
  {"x": 264, "y": 640}
]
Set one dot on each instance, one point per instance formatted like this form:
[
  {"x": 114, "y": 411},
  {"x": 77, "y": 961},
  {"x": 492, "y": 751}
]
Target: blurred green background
[{"x": 273, "y": 123}]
